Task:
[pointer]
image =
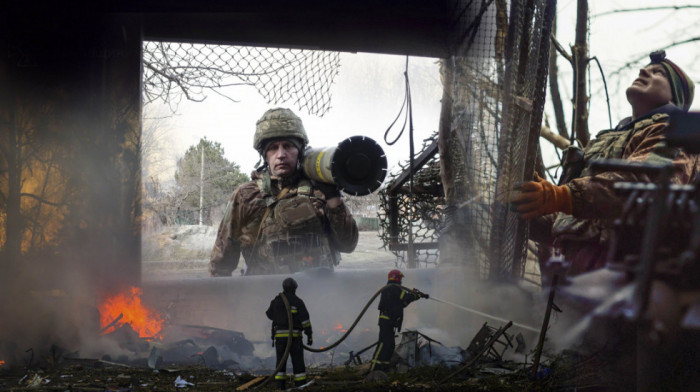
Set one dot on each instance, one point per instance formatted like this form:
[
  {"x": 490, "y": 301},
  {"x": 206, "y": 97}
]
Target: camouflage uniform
[
  {"x": 299, "y": 230},
  {"x": 584, "y": 236}
]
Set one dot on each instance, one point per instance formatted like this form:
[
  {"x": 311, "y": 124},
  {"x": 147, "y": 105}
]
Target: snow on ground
[{"x": 180, "y": 252}]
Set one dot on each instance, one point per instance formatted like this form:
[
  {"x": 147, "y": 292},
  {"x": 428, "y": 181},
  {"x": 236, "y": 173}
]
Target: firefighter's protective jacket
[
  {"x": 281, "y": 228},
  {"x": 277, "y": 312},
  {"x": 393, "y": 300}
]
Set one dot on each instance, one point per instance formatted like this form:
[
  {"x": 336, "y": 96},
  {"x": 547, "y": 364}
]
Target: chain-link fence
[
  {"x": 494, "y": 91},
  {"x": 175, "y": 70}
]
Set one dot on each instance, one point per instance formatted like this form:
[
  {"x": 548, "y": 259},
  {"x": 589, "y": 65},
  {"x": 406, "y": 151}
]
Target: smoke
[
  {"x": 461, "y": 286},
  {"x": 335, "y": 300},
  {"x": 47, "y": 312}
]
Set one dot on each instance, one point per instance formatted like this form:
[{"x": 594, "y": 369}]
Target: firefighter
[
  {"x": 281, "y": 330},
  {"x": 281, "y": 221},
  {"x": 391, "y": 303}
]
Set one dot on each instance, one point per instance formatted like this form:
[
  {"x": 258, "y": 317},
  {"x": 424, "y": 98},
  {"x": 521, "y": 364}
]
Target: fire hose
[
  {"x": 283, "y": 360},
  {"x": 347, "y": 333}
]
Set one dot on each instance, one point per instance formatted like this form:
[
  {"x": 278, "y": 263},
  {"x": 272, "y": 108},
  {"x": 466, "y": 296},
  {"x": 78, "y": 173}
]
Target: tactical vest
[
  {"x": 292, "y": 237},
  {"x": 606, "y": 145}
]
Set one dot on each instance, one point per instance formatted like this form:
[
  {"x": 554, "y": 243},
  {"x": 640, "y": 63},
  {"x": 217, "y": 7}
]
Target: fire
[
  {"x": 2, "y": 363},
  {"x": 340, "y": 328},
  {"x": 128, "y": 309}
]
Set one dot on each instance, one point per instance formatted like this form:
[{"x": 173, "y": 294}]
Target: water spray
[{"x": 523, "y": 326}]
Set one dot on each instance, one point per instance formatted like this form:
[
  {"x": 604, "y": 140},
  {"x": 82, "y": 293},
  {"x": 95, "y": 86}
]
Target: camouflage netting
[
  {"x": 173, "y": 70},
  {"x": 494, "y": 91},
  {"x": 427, "y": 203}
]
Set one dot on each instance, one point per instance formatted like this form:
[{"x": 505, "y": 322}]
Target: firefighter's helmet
[
  {"x": 289, "y": 285},
  {"x": 395, "y": 276},
  {"x": 279, "y": 123}
]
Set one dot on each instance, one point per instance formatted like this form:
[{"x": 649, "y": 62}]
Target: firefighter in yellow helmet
[
  {"x": 393, "y": 300},
  {"x": 281, "y": 330},
  {"x": 281, "y": 221}
]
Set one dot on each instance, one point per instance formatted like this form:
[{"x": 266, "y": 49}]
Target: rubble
[
  {"x": 422, "y": 364},
  {"x": 100, "y": 376}
]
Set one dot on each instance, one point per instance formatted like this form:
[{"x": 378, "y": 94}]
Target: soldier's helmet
[
  {"x": 279, "y": 123},
  {"x": 289, "y": 285}
]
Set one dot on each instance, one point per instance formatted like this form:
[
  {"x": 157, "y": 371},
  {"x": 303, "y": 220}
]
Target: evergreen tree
[{"x": 219, "y": 179}]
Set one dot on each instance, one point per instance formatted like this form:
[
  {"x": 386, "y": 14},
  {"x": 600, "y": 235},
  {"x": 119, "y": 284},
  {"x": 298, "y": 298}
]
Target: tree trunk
[
  {"x": 580, "y": 55},
  {"x": 14, "y": 222},
  {"x": 554, "y": 88},
  {"x": 445, "y": 137}
]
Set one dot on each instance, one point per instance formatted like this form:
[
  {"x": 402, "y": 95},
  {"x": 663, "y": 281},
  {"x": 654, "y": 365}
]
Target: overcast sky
[
  {"x": 358, "y": 109},
  {"x": 616, "y": 39}
]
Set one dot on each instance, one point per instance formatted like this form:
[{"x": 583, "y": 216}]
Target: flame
[
  {"x": 340, "y": 328},
  {"x": 2, "y": 363},
  {"x": 145, "y": 321}
]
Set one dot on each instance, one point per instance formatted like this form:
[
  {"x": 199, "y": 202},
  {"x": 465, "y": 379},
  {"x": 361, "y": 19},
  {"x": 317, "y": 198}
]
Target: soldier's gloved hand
[
  {"x": 309, "y": 341},
  {"x": 329, "y": 190},
  {"x": 541, "y": 197}
]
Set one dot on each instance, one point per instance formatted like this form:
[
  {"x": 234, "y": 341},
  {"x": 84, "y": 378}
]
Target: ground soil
[{"x": 182, "y": 253}]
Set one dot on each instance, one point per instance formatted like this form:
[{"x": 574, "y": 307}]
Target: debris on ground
[
  {"x": 420, "y": 362},
  {"x": 97, "y": 375}
]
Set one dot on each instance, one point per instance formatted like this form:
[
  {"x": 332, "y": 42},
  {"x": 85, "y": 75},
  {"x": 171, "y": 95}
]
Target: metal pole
[
  {"x": 545, "y": 324},
  {"x": 201, "y": 186}
]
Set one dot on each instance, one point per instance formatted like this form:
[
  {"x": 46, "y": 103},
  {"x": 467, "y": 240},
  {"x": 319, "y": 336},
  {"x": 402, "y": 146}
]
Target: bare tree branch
[
  {"x": 42, "y": 200},
  {"x": 561, "y": 50},
  {"x": 636, "y": 60},
  {"x": 176, "y": 70},
  {"x": 660, "y": 8},
  {"x": 175, "y": 80},
  {"x": 557, "y": 103},
  {"x": 557, "y": 140},
  {"x": 579, "y": 51}
]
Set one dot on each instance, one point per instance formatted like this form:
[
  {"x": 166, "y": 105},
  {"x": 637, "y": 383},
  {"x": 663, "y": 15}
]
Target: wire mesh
[
  {"x": 175, "y": 70},
  {"x": 494, "y": 96},
  {"x": 494, "y": 89},
  {"x": 425, "y": 218}
]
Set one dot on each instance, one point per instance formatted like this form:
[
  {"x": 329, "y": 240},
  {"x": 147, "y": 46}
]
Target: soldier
[
  {"x": 391, "y": 303},
  {"x": 282, "y": 221},
  {"x": 577, "y": 216},
  {"x": 281, "y": 330}
]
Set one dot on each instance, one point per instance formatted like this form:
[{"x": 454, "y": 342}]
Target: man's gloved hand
[
  {"x": 541, "y": 197},
  {"x": 329, "y": 190},
  {"x": 215, "y": 273},
  {"x": 421, "y": 294},
  {"x": 309, "y": 340}
]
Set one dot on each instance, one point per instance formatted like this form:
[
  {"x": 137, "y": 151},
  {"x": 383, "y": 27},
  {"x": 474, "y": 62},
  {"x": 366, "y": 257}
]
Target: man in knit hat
[
  {"x": 682, "y": 87},
  {"x": 576, "y": 217}
]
